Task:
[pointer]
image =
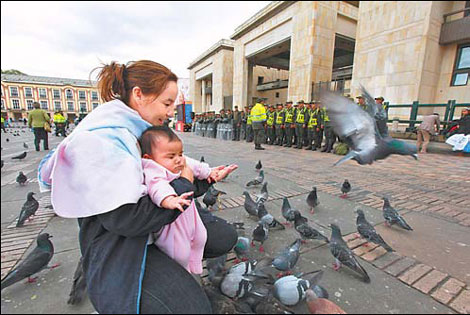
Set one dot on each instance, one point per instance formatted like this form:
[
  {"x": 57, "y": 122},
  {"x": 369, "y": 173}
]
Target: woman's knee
[{"x": 221, "y": 237}]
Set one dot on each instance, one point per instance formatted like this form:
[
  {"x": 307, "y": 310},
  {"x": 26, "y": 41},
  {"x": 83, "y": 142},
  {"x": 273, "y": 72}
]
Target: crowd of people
[{"x": 303, "y": 125}]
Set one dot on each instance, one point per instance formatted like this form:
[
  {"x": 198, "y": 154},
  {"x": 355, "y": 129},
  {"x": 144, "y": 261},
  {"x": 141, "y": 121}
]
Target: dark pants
[
  {"x": 40, "y": 134},
  {"x": 259, "y": 137},
  {"x": 271, "y": 135},
  {"x": 319, "y": 138},
  {"x": 299, "y": 133},
  {"x": 243, "y": 131},
  {"x": 279, "y": 135},
  {"x": 249, "y": 133},
  {"x": 3, "y": 127},
  {"x": 330, "y": 138},
  {"x": 289, "y": 134},
  {"x": 169, "y": 288},
  {"x": 60, "y": 129},
  {"x": 236, "y": 133}
]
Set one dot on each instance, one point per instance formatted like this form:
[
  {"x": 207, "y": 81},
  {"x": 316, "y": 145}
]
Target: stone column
[
  {"x": 249, "y": 83},
  {"x": 204, "y": 100}
]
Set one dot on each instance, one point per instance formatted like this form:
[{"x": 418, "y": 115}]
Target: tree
[{"x": 12, "y": 71}]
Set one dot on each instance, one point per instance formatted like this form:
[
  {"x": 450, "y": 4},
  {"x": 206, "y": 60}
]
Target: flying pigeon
[
  {"x": 257, "y": 181},
  {"x": 367, "y": 231},
  {"x": 241, "y": 249},
  {"x": 319, "y": 305},
  {"x": 250, "y": 205},
  {"x": 25, "y": 145},
  {"x": 267, "y": 218},
  {"x": 29, "y": 209},
  {"x": 19, "y": 157},
  {"x": 287, "y": 212},
  {"x": 345, "y": 188},
  {"x": 312, "y": 199},
  {"x": 291, "y": 290},
  {"x": 392, "y": 216},
  {"x": 212, "y": 196},
  {"x": 358, "y": 129},
  {"x": 21, "y": 179},
  {"x": 33, "y": 263},
  {"x": 343, "y": 254},
  {"x": 263, "y": 196},
  {"x": 258, "y": 166},
  {"x": 287, "y": 258},
  {"x": 79, "y": 290},
  {"x": 306, "y": 231},
  {"x": 260, "y": 234}
]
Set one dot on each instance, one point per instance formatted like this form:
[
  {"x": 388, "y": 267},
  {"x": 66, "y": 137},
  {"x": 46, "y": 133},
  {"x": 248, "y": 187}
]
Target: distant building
[{"x": 73, "y": 97}]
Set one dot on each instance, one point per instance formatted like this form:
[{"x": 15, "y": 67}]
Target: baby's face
[{"x": 168, "y": 154}]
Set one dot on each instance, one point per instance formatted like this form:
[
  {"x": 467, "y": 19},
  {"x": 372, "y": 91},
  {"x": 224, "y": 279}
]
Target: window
[
  {"x": 28, "y": 92},
  {"x": 16, "y": 104},
  {"x": 260, "y": 80},
  {"x": 95, "y": 105},
  {"x": 57, "y": 105},
  {"x": 94, "y": 96},
  {"x": 277, "y": 94},
  {"x": 13, "y": 91},
  {"x": 29, "y": 104},
  {"x": 462, "y": 66},
  {"x": 56, "y": 94},
  {"x": 3, "y": 105},
  {"x": 82, "y": 107},
  {"x": 42, "y": 93},
  {"x": 44, "y": 104},
  {"x": 81, "y": 95},
  {"x": 69, "y": 94},
  {"x": 70, "y": 106}
]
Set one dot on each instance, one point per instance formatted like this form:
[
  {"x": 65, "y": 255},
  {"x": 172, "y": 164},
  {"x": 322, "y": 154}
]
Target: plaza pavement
[{"x": 428, "y": 273}]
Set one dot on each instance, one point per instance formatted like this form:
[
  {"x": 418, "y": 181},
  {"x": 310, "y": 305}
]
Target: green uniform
[
  {"x": 299, "y": 126},
  {"x": 289, "y": 125},
  {"x": 314, "y": 123},
  {"x": 279, "y": 126},
  {"x": 270, "y": 127},
  {"x": 249, "y": 128},
  {"x": 330, "y": 137}
]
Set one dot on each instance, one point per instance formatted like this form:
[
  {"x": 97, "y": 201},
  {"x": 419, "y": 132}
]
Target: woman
[
  {"x": 96, "y": 175},
  {"x": 36, "y": 120}
]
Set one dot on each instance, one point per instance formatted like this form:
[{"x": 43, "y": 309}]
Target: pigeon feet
[
  {"x": 387, "y": 224},
  {"x": 303, "y": 242},
  {"x": 252, "y": 244},
  {"x": 261, "y": 249},
  {"x": 335, "y": 267},
  {"x": 244, "y": 259},
  {"x": 287, "y": 224},
  {"x": 236, "y": 261},
  {"x": 312, "y": 211},
  {"x": 32, "y": 280},
  {"x": 55, "y": 266}
]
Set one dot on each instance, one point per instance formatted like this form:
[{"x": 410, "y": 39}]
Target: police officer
[
  {"x": 244, "y": 118},
  {"x": 249, "y": 127},
  {"x": 289, "y": 123},
  {"x": 258, "y": 118},
  {"x": 271, "y": 132},
  {"x": 299, "y": 124},
  {"x": 236, "y": 124},
  {"x": 279, "y": 124},
  {"x": 330, "y": 136},
  {"x": 313, "y": 127},
  {"x": 59, "y": 122},
  {"x": 382, "y": 121}
]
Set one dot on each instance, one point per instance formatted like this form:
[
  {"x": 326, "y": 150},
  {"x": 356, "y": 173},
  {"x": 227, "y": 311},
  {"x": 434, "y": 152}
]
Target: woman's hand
[
  {"x": 187, "y": 173},
  {"x": 220, "y": 172}
]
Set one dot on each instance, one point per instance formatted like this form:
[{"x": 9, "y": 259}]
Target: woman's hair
[
  {"x": 116, "y": 81},
  {"x": 147, "y": 139}
]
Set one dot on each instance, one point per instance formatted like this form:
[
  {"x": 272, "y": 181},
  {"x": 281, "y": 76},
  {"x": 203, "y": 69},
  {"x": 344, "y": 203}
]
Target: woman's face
[{"x": 155, "y": 110}]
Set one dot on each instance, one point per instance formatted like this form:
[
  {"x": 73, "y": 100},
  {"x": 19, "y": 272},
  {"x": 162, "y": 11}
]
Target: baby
[{"x": 163, "y": 161}]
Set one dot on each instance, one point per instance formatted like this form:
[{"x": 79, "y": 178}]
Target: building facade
[
  {"x": 72, "y": 97},
  {"x": 403, "y": 51}
]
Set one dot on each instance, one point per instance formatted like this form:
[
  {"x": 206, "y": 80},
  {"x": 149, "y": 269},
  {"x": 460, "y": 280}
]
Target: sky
[{"x": 70, "y": 39}]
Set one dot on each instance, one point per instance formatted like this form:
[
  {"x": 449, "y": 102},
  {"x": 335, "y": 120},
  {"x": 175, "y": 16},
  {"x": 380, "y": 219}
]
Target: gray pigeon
[
  {"x": 29, "y": 209},
  {"x": 257, "y": 181},
  {"x": 19, "y": 157},
  {"x": 367, "y": 231},
  {"x": 291, "y": 290},
  {"x": 393, "y": 217},
  {"x": 250, "y": 205},
  {"x": 21, "y": 179},
  {"x": 263, "y": 196},
  {"x": 241, "y": 249},
  {"x": 262, "y": 301},
  {"x": 287, "y": 212},
  {"x": 79, "y": 290},
  {"x": 306, "y": 231},
  {"x": 222, "y": 304},
  {"x": 267, "y": 218},
  {"x": 33, "y": 263},
  {"x": 8, "y": 140},
  {"x": 258, "y": 166},
  {"x": 345, "y": 188},
  {"x": 312, "y": 199},
  {"x": 359, "y": 131},
  {"x": 215, "y": 267},
  {"x": 343, "y": 255},
  {"x": 25, "y": 145},
  {"x": 212, "y": 196},
  {"x": 287, "y": 258},
  {"x": 202, "y": 159},
  {"x": 260, "y": 234}
]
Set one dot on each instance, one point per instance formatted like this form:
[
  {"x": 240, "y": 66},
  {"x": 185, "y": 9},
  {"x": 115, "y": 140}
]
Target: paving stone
[
  {"x": 462, "y": 303},
  {"x": 430, "y": 281},
  {"x": 448, "y": 290},
  {"x": 356, "y": 243},
  {"x": 374, "y": 254},
  {"x": 361, "y": 250},
  {"x": 398, "y": 267},
  {"x": 386, "y": 260},
  {"x": 413, "y": 274}
]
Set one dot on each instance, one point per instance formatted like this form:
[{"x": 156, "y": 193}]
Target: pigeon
[
  {"x": 260, "y": 234},
  {"x": 343, "y": 254},
  {"x": 215, "y": 267},
  {"x": 258, "y": 166},
  {"x": 267, "y": 218},
  {"x": 25, "y": 145},
  {"x": 257, "y": 181},
  {"x": 392, "y": 216},
  {"x": 241, "y": 249},
  {"x": 312, "y": 199},
  {"x": 263, "y": 196},
  {"x": 33, "y": 263},
  {"x": 212, "y": 196},
  {"x": 287, "y": 258},
  {"x": 306, "y": 231},
  {"x": 29, "y": 208},
  {"x": 8, "y": 140},
  {"x": 250, "y": 205},
  {"x": 358, "y": 129},
  {"x": 290, "y": 290},
  {"x": 21, "y": 179},
  {"x": 19, "y": 157},
  {"x": 367, "y": 231},
  {"x": 222, "y": 304},
  {"x": 287, "y": 212},
  {"x": 202, "y": 159},
  {"x": 319, "y": 305},
  {"x": 262, "y": 301},
  {"x": 79, "y": 289},
  {"x": 345, "y": 188}
]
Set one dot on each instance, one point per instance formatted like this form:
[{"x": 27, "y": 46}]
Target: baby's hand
[{"x": 177, "y": 202}]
